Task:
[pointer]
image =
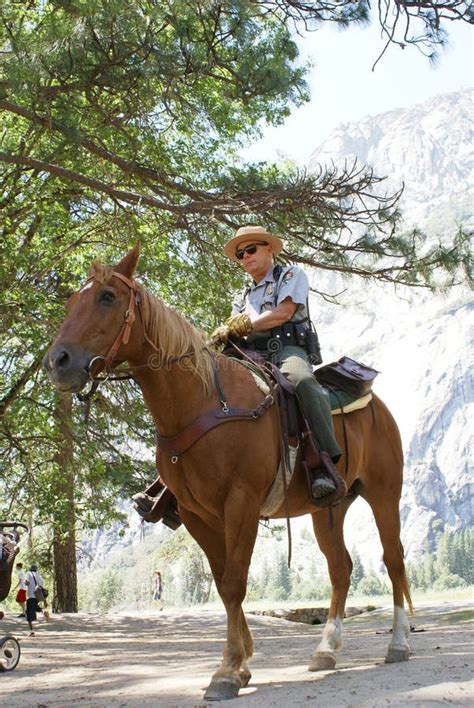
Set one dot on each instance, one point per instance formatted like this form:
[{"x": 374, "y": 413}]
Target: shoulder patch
[{"x": 288, "y": 276}]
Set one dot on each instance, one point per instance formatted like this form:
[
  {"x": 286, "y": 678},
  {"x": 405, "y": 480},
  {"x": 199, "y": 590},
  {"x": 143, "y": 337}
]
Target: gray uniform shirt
[{"x": 270, "y": 292}]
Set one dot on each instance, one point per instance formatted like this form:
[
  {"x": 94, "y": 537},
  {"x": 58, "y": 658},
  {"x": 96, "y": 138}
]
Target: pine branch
[{"x": 19, "y": 385}]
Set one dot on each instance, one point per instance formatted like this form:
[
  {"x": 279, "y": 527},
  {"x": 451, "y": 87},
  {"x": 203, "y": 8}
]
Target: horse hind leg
[
  {"x": 387, "y": 518},
  {"x": 331, "y": 542},
  {"x": 399, "y": 647}
]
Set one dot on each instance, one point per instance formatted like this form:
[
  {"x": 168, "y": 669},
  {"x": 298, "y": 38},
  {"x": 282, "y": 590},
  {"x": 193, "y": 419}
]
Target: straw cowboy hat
[{"x": 252, "y": 233}]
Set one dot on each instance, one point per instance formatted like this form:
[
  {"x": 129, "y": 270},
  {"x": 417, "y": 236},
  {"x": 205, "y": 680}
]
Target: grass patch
[
  {"x": 461, "y": 616},
  {"x": 451, "y": 595}
]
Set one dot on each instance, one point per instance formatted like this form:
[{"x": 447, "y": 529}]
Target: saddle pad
[
  {"x": 354, "y": 405},
  {"x": 257, "y": 376},
  {"x": 275, "y": 496}
]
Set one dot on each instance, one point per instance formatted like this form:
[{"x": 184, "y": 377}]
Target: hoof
[
  {"x": 322, "y": 662},
  {"x": 395, "y": 654},
  {"x": 222, "y": 689},
  {"x": 245, "y": 676}
]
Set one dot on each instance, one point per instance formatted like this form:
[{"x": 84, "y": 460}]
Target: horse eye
[{"x": 106, "y": 296}]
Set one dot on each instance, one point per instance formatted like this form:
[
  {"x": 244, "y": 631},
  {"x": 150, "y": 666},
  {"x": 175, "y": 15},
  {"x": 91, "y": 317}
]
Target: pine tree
[
  {"x": 429, "y": 572},
  {"x": 280, "y": 580},
  {"x": 469, "y": 555},
  {"x": 444, "y": 554},
  {"x": 465, "y": 555},
  {"x": 358, "y": 571}
]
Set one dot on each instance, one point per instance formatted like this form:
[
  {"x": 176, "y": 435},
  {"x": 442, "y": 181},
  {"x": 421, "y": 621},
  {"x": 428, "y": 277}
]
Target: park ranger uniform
[{"x": 286, "y": 345}]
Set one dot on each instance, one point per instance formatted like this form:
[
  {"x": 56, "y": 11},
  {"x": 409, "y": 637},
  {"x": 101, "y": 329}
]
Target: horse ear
[{"x": 129, "y": 262}]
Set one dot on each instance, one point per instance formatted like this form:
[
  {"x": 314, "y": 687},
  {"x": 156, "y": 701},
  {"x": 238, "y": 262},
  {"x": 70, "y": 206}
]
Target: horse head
[{"x": 100, "y": 317}]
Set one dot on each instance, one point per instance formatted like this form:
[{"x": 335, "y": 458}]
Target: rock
[
  {"x": 420, "y": 341},
  {"x": 309, "y": 615}
]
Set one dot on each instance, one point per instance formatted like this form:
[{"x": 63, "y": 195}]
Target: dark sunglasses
[{"x": 250, "y": 249}]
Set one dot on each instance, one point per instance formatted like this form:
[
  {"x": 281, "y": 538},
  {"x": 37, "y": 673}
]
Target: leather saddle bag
[{"x": 347, "y": 375}]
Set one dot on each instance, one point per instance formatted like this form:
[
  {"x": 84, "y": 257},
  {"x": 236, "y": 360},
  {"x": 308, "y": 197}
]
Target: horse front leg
[
  {"x": 244, "y": 671},
  {"x": 233, "y": 673},
  {"x": 241, "y": 524},
  {"x": 331, "y": 543},
  {"x": 228, "y": 680}
]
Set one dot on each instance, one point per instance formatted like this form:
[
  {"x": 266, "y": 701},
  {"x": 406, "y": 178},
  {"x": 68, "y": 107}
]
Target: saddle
[{"x": 158, "y": 503}]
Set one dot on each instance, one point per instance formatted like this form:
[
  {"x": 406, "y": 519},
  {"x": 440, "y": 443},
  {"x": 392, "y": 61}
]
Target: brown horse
[
  {"x": 221, "y": 479},
  {"x": 9, "y": 548}
]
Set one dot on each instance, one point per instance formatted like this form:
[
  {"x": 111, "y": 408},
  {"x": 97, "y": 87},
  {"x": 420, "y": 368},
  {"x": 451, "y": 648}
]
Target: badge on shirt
[
  {"x": 269, "y": 290},
  {"x": 288, "y": 276}
]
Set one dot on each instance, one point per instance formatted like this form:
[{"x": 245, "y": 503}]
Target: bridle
[
  {"x": 122, "y": 338},
  {"x": 124, "y": 333}
]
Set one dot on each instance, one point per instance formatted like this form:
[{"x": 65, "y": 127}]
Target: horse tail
[
  {"x": 406, "y": 586},
  {"x": 406, "y": 593}
]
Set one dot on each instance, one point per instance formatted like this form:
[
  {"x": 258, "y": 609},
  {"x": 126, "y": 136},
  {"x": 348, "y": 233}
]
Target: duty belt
[{"x": 289, "y": 334}]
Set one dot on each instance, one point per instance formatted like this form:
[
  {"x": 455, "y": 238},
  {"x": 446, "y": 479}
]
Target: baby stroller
[{"x": 9, "y": 547}]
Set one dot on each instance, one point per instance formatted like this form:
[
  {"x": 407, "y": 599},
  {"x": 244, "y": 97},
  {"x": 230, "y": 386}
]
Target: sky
[{"x": 344, "y": 88}]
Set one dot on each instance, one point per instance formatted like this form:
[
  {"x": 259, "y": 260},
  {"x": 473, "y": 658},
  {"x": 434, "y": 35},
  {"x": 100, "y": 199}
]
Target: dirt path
[{"x": 166, "y": 659}]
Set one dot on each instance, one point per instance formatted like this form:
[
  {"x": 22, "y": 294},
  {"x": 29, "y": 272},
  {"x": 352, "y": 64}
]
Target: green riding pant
[{"x": 293, "y": 362}]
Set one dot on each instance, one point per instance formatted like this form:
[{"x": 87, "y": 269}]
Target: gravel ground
[{"x": 166, "y": 659}]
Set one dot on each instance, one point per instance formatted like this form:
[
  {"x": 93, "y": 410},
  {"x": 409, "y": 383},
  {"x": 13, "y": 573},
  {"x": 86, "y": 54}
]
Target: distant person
[
  {"x": 33, "y": 580},
  {"x": 21, "y": 585},
  {"x": 158, "y": 588}
]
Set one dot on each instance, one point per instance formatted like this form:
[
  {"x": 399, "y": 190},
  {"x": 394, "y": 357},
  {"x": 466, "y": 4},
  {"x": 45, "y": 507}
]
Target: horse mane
[{"x": 169, "y": 331}]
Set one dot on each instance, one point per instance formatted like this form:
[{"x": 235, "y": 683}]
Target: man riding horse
[
  {"x": 220, "y": 444},
  {"x": 270, "y": 317}
]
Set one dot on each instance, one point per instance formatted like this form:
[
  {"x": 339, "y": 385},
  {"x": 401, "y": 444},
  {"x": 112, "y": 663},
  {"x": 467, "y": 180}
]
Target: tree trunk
[{"x": 64, "y": 540}]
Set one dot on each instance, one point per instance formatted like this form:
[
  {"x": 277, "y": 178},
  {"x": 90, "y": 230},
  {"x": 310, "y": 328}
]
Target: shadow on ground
[{"x": 166, "y": 659}]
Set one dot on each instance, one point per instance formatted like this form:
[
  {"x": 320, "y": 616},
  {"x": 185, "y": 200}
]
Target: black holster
[{"x": 299, "y": 334}]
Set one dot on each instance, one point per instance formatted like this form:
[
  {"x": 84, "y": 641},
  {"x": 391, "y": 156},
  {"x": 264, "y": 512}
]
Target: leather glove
[
  {"x": 239, "y": 325},
  {"x": 220, "y": 335}
]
